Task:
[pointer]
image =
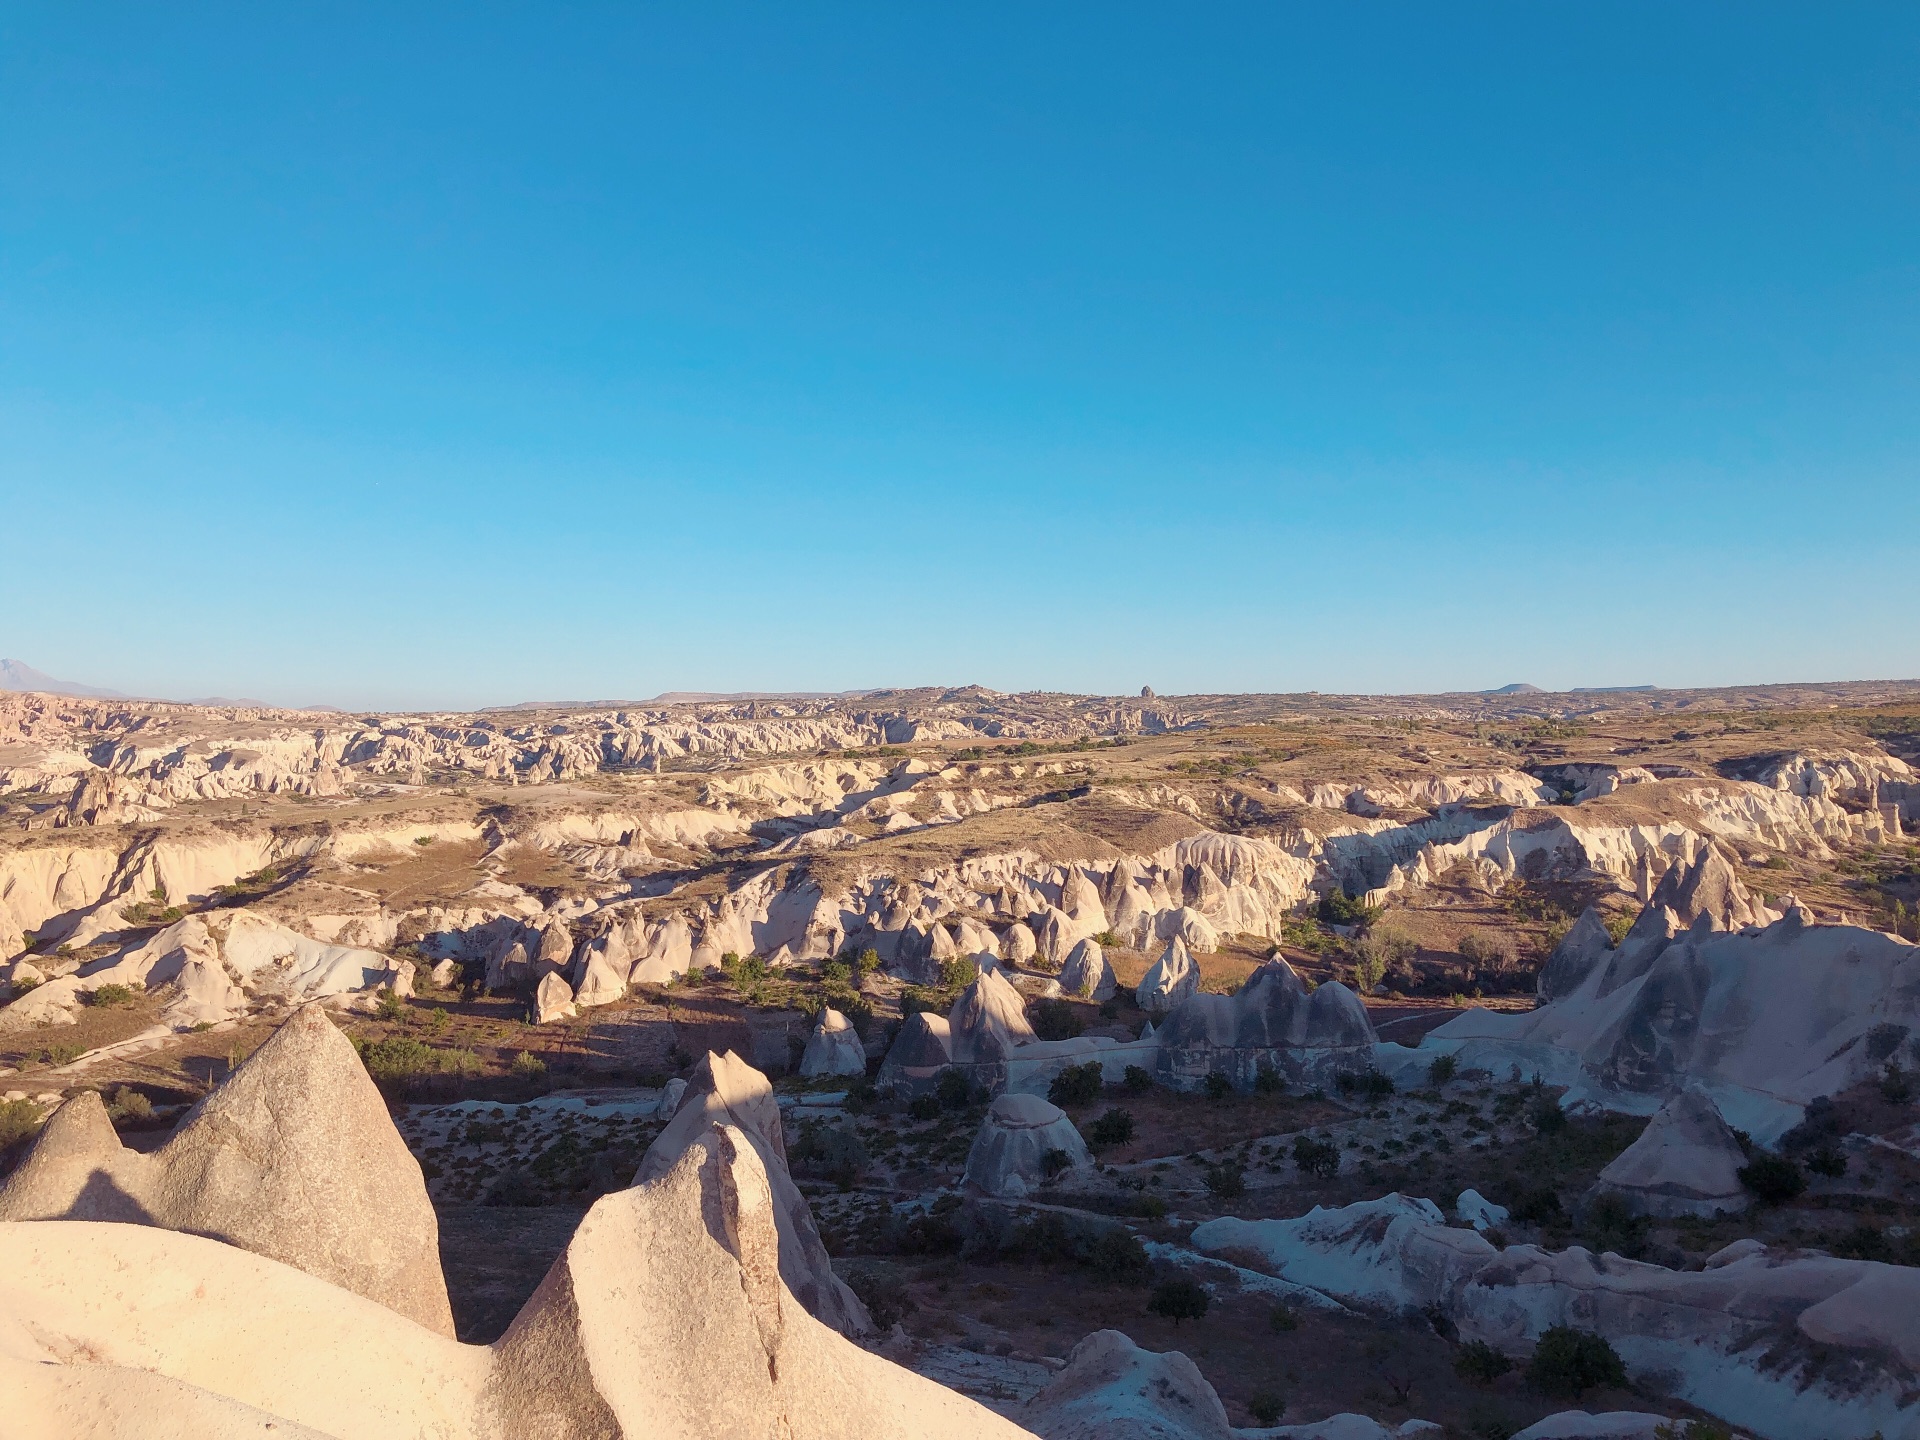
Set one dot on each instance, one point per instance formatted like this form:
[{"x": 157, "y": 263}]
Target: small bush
[
  {"x": 1774, "y": 1179},
  {"x": 1547, "y": 1116},
  {"x": 58, "y": 1055},
  {"x": 110, "y": 997},
  {"x": 1116, "y": 1255},
  {"x": 924, "y": 1107},
  {"x": 1054, "y": 1162},
  {"x": 1282, "y": 1319},
  {"x": 1267, "y": 1407},
  {"x": 958, "y": 972},
  {"x": 1828, "y": 1161},
  {"x": 1480, "y": 1363},
  {"x": 1895, "y": 1085},
  {"x": 885, "y": 1296},
  {"x": 1055, "y": 1020},
  {"x": 1268, "y": 1081},
  {"x": 1368, "y": 1084},
  {"x": 1226, "y": 1181},
  {"x": 528, "y": 1066},
  {"x": 826, "y": 1151},
  {"x": 1443, "y": 1069},
  {"x": 1568, "y": 1362},
  {"x": 1076, "y": 1085},
  {"x": 398, "y": 1057},
  {"x": 1218, "y": 1086},
  {"x": 1179, "y": 1299},
  {"x": 1113, "y": 1128},
  {"x": 18, "y": 1120},
  {"x": 516, "y": 1187},
  {"x": 1536, "y": 1206},
  {"x": 390, "y": 1006},
  {"x": 1137, "y": 1081},
  {"x": 953, "y": 1089},
  {"x": 1494, "y": 954},
  {"x": 1318, "y": 1158},
  {"x": 1339, "y": 908},
  {"x": 129, "y": 1105}
]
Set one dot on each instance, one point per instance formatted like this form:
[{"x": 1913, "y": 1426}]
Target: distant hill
[
  {"x": 1611, "y": 689},
  {"x": 17, "y": 675},
  {"x": 1519, "y": 687}
]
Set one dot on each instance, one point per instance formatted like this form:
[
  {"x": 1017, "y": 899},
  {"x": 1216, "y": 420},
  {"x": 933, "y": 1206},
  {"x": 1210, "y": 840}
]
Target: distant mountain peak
[
  {"x": 1519, "y": 687},
  {"x": 18, "y": 675}
]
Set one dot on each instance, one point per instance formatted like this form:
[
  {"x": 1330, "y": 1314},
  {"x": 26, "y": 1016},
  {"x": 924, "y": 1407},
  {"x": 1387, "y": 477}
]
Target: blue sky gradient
[{"x": 445, "y": 356}]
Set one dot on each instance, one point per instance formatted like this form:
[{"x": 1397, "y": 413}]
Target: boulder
[
  {"x": 1018, "y": 945},
  {"x": 726, "y": 1090},
  {"x": 834, "y": 1047},
  {"x": 1476, "y": 1210},
  {"x": 1087, "y": 974},
  {"x": 665, "y": 1316},
  {"x": 1169, "y": 980},
  {"x": 1010, "y": 1155},
  {"x": 1686, "y": 1162},
  {"x": 508, "y": 967},
  {"x": 294, "y": 1158},
  {"x": 553, "y": 999},
  {"x": 1111, "y": 1389},
  {"x": 922, "y": 1049}
]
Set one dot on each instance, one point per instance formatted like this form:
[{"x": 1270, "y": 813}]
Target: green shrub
[
  {"x": 924, "y": 1107},
  {"x": 1337, "y": 907},
  {"x": 18, "y": 1120},
  {"x": 958, "y": 972},
  {"x": 528, "y": 1066},
  {"x": 1268, "y": 1081},
  {"x": 1610, "y": 1224},
  {"x": 1318, "y": 1158},
  {"x": 399, "y": 1057},
  {"x": 1218, "y": 1086},
  {"x": 1266, "y": 1407},
  {"x": 1774, "y": 1179},
  {"x": 1113, "y": 1128},
  {"x": 1547, "y": 1116},
  {"x": 1137, "y": 1081},
  {"x": 1536, "y": 1206},
  {"x": 129, "y": 1105},
  {"x": 1076, "y": 1085},
  {"x": 1443, "y": 1069},
  {"x": 1281, "y": 1319},
  {"x": 1480, "y": 1363},
  {"x": 1828, "y": 1161},
  {"x": 1055, "y": 1020},
  {"x": 58, "y": 1055},
  {"x": 1226, "y": 1181},
  {"x": 109, "y": 997},
  {"x": 1179, "y": 1299},
  {"x": 953, "y": 1090},
  {"x": 1053, "y": 1163},
  {"x": 885, "y": 1296},
  {"x": 1116, "y": 1255},
  {"x": 826, "y": 1151},
  {"x": 1568, "y": 1362},
  {"x": 1368, "y": 1084},
  {"x": 390, "y": 1006},
  {"x": 1895, "y": 1084}
]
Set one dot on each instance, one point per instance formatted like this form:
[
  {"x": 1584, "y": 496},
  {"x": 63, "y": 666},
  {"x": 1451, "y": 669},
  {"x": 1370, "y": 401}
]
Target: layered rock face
[
  {"x": 1841, "y": 1335},
  {"x": 1017, "y": 1146},
  {"x": 294, "y": 1158},
  {"x": 726, "y": 1090},
  {"x": 1764, "y": 1019},
  {"x": 1169, "y": 980},
  {"x": 1087, "y": 974},
  {"x": 665, "y": 1319}
]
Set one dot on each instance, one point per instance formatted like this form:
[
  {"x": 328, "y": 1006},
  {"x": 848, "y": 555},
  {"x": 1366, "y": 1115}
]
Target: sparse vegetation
[
  {"x": 1179, "y": 1299},
  {"x": 1568, "y": 1362}
]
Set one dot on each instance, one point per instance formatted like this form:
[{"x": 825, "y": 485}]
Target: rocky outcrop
[
  {"x": 665, "y": 1317},
  {"x": 1785, "y": 1346},
  {"x": 833, "y": 1048},
  {"x": 1112, "y": 1389},
  {"x": 1686, "y": 1162},
  {"x": 1087, "y": 974},
  {"x": 1023, "y": 1141},
  {"x": 725, "y": 1090},
  {"x": 1766, "y": 1020},
  {"x": 1580, "y": 949},
  {"x": 1272, "y": 1021},
  {"x": 293, "y": 1158},
  {"x": 1169, "y": 980},
  {"x": 553, "y": 1000}
]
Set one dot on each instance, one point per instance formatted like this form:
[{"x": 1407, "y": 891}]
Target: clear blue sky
[{"x": 414, "y": 355}]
